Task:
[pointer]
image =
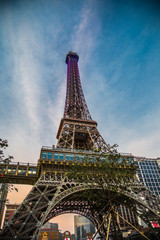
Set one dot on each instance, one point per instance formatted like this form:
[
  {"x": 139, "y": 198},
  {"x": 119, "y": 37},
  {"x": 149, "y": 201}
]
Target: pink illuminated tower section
[{"x": 75, "y": 105}]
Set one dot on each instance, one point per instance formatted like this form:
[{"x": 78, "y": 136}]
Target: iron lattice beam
[
  {"x": 75, "y": 134},
  {"x": 55, "y": 194}
]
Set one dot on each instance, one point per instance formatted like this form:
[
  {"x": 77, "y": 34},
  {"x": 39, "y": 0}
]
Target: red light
[{"x": 154, "y": 224}]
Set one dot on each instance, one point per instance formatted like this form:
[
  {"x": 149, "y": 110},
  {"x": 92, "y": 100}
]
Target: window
[
  {"x": 11, "y": 170},
  {"x": 22, "y": 171},
  {"x": 61, "y": 156},
  {"x": 44, "y": 155},
  {"x": 72, "y": 157},
  {"x": 78, "y": 158},
  {"x": 49, "y": 155},
  {"x": 32, "y": 171},
  {"x": 67, "y": 157},
  {"x": 56, "y": 156}
]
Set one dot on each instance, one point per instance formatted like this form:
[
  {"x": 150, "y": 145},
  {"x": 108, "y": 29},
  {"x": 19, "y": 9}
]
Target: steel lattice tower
[
  {"x": 77, "y": 130},
  {"x": 75, "y": 105},
  {"x": 54, "y": 193}
]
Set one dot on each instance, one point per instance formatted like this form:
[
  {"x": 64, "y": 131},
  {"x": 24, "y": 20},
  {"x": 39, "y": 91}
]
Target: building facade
[
  {"x": 49, "y": 231},
  {"x": 50, "y": 225},
  {"x": 148, "y": 173},
  {"x": 49, "y": 234},
  {"x": 82, "y": 226},
  {"x": 10, "y": 209}
]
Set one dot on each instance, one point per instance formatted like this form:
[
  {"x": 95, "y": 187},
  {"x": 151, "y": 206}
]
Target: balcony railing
[{"x": 77, "y": 150}]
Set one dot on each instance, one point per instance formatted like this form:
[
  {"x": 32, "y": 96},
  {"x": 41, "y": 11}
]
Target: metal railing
[
  {"x": 19, "y": 163},
  {"x": 77, "y": 150}
]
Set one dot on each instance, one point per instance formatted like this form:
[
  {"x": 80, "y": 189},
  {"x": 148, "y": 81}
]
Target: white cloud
[
  {"x": 85, "y": 33},
  {"x": 56, "y": 109},
  {"x": 37, "y": 111},
  {"x": 140, "y": 138},
  {"x": 26, "y": 75}
]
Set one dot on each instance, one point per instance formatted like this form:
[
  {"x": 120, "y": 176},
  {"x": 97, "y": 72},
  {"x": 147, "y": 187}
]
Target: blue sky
[{"x": 118, "y": 43}]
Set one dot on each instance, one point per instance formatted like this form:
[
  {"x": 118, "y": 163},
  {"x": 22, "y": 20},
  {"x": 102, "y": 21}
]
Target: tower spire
[{"x": 75, "y": 104}]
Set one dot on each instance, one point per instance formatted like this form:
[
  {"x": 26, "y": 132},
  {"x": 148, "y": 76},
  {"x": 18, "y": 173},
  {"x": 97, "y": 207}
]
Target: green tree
[
  {"x": 103, "y": 167},
  {"x": 4, "y": 161},
  {"x": 4, "y": 145},
  {"x": 4, "y": 187}
]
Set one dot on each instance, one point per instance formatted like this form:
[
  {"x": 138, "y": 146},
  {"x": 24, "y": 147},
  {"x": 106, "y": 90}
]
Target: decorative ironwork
[
  {"x": 79, "y": 134},
  {"x": 54, "y": 194}
]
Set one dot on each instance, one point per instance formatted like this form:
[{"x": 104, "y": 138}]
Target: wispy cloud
[
  {"x": 36, "y": 109},
  {"x": 143, "y": 137},
  {"x": 26, "y": 75},
  {"x": 86, "y": 32},
  {"x": 25, "y": 81},
  {"x": 56, "y": 108}
]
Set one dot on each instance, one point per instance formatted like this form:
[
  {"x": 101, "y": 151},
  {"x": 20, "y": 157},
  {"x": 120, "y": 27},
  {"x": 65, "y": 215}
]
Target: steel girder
[
  {"x": 55, "y": 194},
  {"x": 74, "y": 134}
]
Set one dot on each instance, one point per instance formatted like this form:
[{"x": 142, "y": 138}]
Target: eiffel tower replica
[{"x": 54, "y": 193}]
